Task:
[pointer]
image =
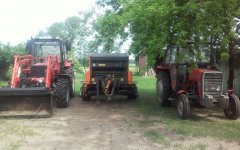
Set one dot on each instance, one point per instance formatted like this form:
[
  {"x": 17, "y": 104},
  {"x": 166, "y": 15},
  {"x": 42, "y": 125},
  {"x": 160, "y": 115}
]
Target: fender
[
  {"x": 181, "y": 92},
  {"x": 230, "y": 91}
]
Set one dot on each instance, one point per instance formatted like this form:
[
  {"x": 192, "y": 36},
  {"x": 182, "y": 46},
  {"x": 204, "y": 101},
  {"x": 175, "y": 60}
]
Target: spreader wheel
[
  {"x": 133, "y": 92},
  {"x": 183, "y": 106},
  {"x": 233, "y": 109}
]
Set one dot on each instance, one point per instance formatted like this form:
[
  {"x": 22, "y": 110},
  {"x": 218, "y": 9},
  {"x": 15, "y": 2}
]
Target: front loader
[
  {"x": 108, "y": 75},
  {"x": 38, "y": 78}
]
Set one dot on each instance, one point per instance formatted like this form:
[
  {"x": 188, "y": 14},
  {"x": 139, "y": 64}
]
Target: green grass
[
  {"x": 3, "y": 83},
  {"x": 195, "y": 126},
  {"x": 158, "y": 136},
  {"x": 78, "y": 84}
]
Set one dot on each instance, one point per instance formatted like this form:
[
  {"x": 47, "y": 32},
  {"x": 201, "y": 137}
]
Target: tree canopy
[
  {"x": 154, "y": 24},
  {"x": 151, "y": 25}
]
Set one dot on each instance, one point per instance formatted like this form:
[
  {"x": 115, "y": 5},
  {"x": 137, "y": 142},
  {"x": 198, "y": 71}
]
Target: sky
[{"x": 21, "y": 19}]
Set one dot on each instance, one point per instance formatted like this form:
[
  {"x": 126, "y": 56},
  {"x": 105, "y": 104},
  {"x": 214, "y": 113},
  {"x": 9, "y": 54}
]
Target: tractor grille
[
  {"x": 38, "y": 71},
  {"x": 212, "y": 84}
]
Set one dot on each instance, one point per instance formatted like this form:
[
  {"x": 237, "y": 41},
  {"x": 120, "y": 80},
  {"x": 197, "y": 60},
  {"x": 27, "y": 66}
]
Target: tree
[
  {"x": 7, "y": 53},
  {"x": 77, "y": 31},
  {"x": 154, "y": 24},
  {"x": 218, "y": 21}
]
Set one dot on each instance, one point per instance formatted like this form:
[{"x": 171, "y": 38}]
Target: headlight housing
[
  {"x": 213, "y": 88},
  {"x": 218, "y": 88}
]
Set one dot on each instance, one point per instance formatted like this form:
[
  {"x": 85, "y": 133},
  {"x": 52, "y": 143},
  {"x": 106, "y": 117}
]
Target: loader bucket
[{"x": 26, "y": 102}]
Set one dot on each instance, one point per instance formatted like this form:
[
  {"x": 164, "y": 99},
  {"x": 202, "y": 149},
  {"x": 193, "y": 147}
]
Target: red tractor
[
  {"x": 38, "y": 77},
  {"x": 192, "y": 79}
]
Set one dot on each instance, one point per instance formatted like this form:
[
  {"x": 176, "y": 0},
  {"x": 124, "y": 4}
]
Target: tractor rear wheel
[
  {"x": 233, "y": 109},
  {"x": 183, "y": 106},
  {"x": 70, "y": 72},
  {"x": 62, "y": 92},
  {"x": 163, "y": 89}
]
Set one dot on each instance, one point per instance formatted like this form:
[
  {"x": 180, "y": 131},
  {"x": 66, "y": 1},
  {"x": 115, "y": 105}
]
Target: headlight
[
  {"x": 218, "y": 88},
  {"x": 212, "y": 88},
  {"x": 206, "y": 88},
  {"x": 40, "y": 81}
]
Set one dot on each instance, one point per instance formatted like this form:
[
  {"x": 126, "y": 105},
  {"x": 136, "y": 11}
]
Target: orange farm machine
[
  {"x": 37, "y": 78},
  {"x": 108, "y": 75}
]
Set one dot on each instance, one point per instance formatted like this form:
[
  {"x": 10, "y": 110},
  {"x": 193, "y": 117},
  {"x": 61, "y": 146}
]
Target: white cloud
[{"x": 21, "y": 19}]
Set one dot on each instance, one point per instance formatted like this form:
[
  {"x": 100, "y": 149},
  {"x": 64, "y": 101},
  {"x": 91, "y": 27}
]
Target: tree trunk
[{"x": 231, "y": 66}]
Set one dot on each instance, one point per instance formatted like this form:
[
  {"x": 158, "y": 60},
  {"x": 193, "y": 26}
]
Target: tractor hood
[{"x": 196, "y": 74}]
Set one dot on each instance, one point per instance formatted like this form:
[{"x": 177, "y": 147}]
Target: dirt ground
[{"x": 87, "y": 125}]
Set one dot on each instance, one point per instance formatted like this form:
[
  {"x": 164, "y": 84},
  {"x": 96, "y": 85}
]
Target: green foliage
[
  {"x": 154, "y": 24},
  {"x": 7, "y": 53},
  {"x": 224, "y": 56},
  {"x": 67, "y": 30},
  {"x": 76, "y": 30}
]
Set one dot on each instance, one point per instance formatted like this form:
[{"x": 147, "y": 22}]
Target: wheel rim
[
  {"x": 180, "y": 107},
  {"x": 159, "y": 91}
]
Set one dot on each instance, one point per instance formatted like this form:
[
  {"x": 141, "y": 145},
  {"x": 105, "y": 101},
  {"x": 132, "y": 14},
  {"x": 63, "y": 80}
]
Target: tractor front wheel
[
  {"x": 163, "y": 89},
  {"x": 183, "y": 106},
  {"x": 232, "y": 111},
  {"x": 62, "y": 92}
]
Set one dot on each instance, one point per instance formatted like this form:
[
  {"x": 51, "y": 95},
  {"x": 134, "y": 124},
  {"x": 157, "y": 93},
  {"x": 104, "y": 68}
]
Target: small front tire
[{"x": 183, "y": 106}]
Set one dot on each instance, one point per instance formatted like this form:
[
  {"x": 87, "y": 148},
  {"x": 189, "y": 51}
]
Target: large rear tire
[
  {"x": 183, "y": 106},
  {"x": 62, "y": 92},
  {"x": 233, "y": 109},
  {"x": 163, "y": 88}
]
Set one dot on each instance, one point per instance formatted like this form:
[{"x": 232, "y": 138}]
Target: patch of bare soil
[{"x": 87, "y": 125}]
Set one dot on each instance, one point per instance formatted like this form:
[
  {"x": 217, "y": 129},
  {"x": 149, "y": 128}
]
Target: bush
[{"x": 7, "y": 53}]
